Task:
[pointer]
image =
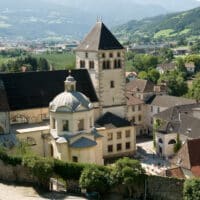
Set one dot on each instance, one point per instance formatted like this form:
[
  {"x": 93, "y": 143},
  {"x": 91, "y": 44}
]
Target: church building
[{"x": 77, "y": 116}]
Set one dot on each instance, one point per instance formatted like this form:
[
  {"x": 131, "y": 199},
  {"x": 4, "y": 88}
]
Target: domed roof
[{"x": 70, "y": 102}]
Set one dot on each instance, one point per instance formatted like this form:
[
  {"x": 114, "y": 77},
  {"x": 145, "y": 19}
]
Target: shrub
[
  {"x": 94, "y": 179},
  {"x": 40, "y": 167},
  {"x": 191, "y": 189}
]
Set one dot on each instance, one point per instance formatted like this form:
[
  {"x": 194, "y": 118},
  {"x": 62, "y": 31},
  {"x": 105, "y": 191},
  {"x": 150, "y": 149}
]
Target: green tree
[
  {"x": 130, "y": 173},
  {"x": 178, "y": 144},
  {"x": 191, "y": 189},
  {"x": 143, "y": 75},
  {"x": 153, "y": 75},
  {"x": 196, "y": 47},
  {"x": 194, "y": 92},
  {"x": 195, "y": 59},
  {"x": 176, "y": 84},
  {"x": 43, "y": 64},
  {"x": 94, "y": 179}
]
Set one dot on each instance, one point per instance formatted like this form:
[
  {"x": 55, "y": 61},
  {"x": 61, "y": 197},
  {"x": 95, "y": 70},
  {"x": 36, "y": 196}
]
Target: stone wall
[
  {"x": 162, "y": 188},
  {"x": 156, "y": 188},
  {"x": 17, "y": 173}
]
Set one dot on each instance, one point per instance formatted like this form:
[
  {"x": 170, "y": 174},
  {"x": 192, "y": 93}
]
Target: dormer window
[
  {"x": 118, "y": 54},
  {"x": 110, "y": 55},
  {"x": 103, "y": 55}
]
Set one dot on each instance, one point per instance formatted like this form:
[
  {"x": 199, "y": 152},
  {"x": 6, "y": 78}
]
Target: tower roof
[{"x": 99, "y": 38}]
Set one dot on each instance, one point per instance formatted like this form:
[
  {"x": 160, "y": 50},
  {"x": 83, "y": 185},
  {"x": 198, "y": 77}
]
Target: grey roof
[
  {"x": 139, "y": 85},
  {"x": 172, "y": 113},
  {"x": 83, "y": 143},
  {"x": 167, "y": 101},
  {"x": 180, "y": 119},
  {"x": 8, "y": 140},
  {"x": 71, "y": 100},
  {"x": 169, "y": 127},
  {"x": 110, "y": 120},
  {"x": 99, "y": 38}
]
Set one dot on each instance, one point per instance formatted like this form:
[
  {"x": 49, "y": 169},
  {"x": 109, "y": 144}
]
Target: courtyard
[{"x": 152, "y": 163}]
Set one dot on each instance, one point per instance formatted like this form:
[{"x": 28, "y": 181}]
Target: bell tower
[{"x": 104, "y": 57}]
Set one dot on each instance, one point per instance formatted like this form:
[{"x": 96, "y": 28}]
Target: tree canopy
[
  {"x": 176, "y": 84},
  {"x": 192, "y": 189}
]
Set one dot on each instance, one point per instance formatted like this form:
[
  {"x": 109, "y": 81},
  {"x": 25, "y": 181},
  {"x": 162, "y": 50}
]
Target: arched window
[
  {"x": 108, "y": 64},
  {"x": 119, "y": 64},
  {"x": 104, "y": 64},
  {"x": 19, "y": 119},
  {"x": 1, "y": 130},
  {"x": 160, "y": 140},
  {"x": 115, "y": 64},
  {"x": 172, "y": 142}
]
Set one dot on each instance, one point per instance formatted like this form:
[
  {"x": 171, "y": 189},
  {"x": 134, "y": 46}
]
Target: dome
[{"x": 70, "y": 102}]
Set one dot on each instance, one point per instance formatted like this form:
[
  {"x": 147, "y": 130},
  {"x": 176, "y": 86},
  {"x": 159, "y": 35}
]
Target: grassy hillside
[
  {"x": 166, "y": 27},
  {"x": 59, "y": 60}
]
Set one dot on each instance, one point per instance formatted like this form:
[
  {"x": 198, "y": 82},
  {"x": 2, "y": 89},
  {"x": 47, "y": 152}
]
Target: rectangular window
[
  {"x": 158, "y": 110},
  {"x": 139, "y": 107},
  {"x": 91, "y": 64},
  {"x": 119, "y": 147},
  {"x": 86, "y": 55},
  {"x": 81, "y": 125},
  {"x": 110, "y": 148},
  {"x": 82, "y": 64},
  {"x": 53, "y": 123},
  {"x": 112, "y": 84},
  {"x": 74, "y": 159},
  {"x": 133, "y": 119},
  {"x": 133, "y": 108},
  {"x": 128, "y": 133},
  {"x": 151, "y": 108},
  {"x": 128, "y": 145},
  {"x": 65, "y": 125},
  {"x": 139, "y": 118},
  {"x": 119, "y": 135},
  {"x": 110, "y": 136}
]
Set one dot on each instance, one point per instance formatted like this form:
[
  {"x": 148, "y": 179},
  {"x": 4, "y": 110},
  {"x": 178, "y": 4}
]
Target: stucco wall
[
  {"x": 39, "y": 147},
  {"x": 115, "y": 141},
  {"x": 32, "y": 115}
]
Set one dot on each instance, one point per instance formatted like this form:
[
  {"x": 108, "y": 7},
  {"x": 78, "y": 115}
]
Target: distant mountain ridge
[
  {"x": 165, "y": 27},
  {"x": 64, "y": 19}
]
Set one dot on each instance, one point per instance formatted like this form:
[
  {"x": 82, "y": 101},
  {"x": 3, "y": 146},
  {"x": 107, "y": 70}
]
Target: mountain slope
[{"x": 166, "y": 27}]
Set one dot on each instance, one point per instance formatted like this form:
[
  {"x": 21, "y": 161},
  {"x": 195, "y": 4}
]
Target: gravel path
[{"x": 12, "y": 192}]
